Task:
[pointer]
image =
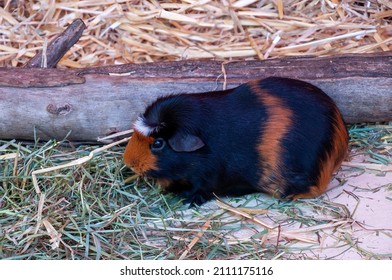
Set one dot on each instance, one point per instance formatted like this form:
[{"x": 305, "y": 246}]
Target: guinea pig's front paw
[{"x": 196, "y": 199}]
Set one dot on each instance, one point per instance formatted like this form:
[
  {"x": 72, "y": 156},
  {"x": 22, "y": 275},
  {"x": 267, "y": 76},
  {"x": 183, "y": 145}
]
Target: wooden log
[{"x": 95, "y": 102}]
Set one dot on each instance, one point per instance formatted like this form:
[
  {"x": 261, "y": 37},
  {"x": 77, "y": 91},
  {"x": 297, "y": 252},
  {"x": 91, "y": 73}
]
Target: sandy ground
[{"x": 368, "y": 197}]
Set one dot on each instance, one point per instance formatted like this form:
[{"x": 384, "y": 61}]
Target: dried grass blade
[
  {"x": 328, "y": 40},
  {"x": 243, "y": 3},
  {"x": 8, "y": 17},
  {"x": 206, "y": 225},
  {"x": 240, "y": 212},
  {"x": 280, "y": 9},
  {"x": 9, "y": 156},
  {"x": 372, "y": 166},
  {"x": 55, "y": 236}
]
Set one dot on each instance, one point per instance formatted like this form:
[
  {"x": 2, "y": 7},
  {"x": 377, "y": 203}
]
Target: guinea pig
[{"x": 279, "y": 136}]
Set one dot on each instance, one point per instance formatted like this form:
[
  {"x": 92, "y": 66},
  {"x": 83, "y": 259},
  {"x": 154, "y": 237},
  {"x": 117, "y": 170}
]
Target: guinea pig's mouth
[
  {"x": 134, "y": 170},
  {"x": 143, "y": 172}
]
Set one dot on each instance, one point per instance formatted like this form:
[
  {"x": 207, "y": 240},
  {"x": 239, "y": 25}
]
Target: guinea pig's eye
[{"x": 158, "y": 144}]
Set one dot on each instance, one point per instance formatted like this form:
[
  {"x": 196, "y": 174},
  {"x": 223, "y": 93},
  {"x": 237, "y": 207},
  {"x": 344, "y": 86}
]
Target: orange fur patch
[
  {"x": 138, "y": 155},
  {"x": 275, "y": 128},
  {"x": 336, "y": 155}
]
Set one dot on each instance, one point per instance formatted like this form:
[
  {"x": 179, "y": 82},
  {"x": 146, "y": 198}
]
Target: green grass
[{"x": 91, "y": 210}]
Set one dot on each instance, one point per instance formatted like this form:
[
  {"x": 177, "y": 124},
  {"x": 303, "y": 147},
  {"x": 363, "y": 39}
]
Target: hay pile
[
  {"x": 125, "y": 31},
  {"x": 97, "y": 209}
]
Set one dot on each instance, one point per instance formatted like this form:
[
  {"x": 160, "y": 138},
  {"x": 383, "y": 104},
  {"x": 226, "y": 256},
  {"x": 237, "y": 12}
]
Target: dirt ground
[{"x": 367, "y": 194}]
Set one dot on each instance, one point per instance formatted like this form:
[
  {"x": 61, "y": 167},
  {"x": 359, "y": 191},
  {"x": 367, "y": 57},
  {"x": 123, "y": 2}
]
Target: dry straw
[
  {"x": 125, "y": 31},
  {"x": 58, "y": 201},
  {"x": 86, "y": 209}
]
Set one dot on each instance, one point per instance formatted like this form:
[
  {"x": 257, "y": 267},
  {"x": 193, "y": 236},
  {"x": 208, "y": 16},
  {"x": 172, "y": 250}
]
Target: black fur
[{"x": 230, "y": 124}]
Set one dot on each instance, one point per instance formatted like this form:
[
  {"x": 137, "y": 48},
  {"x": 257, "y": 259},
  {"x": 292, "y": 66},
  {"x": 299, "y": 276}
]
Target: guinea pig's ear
[{"x": 185, "y": 142}]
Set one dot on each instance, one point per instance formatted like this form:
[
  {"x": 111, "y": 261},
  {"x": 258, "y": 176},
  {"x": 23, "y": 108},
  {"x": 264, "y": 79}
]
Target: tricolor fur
[{"x": 280, "y": 136}]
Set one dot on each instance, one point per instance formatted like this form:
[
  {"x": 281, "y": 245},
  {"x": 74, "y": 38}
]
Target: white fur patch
[{"x": 142, "y": 127}]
